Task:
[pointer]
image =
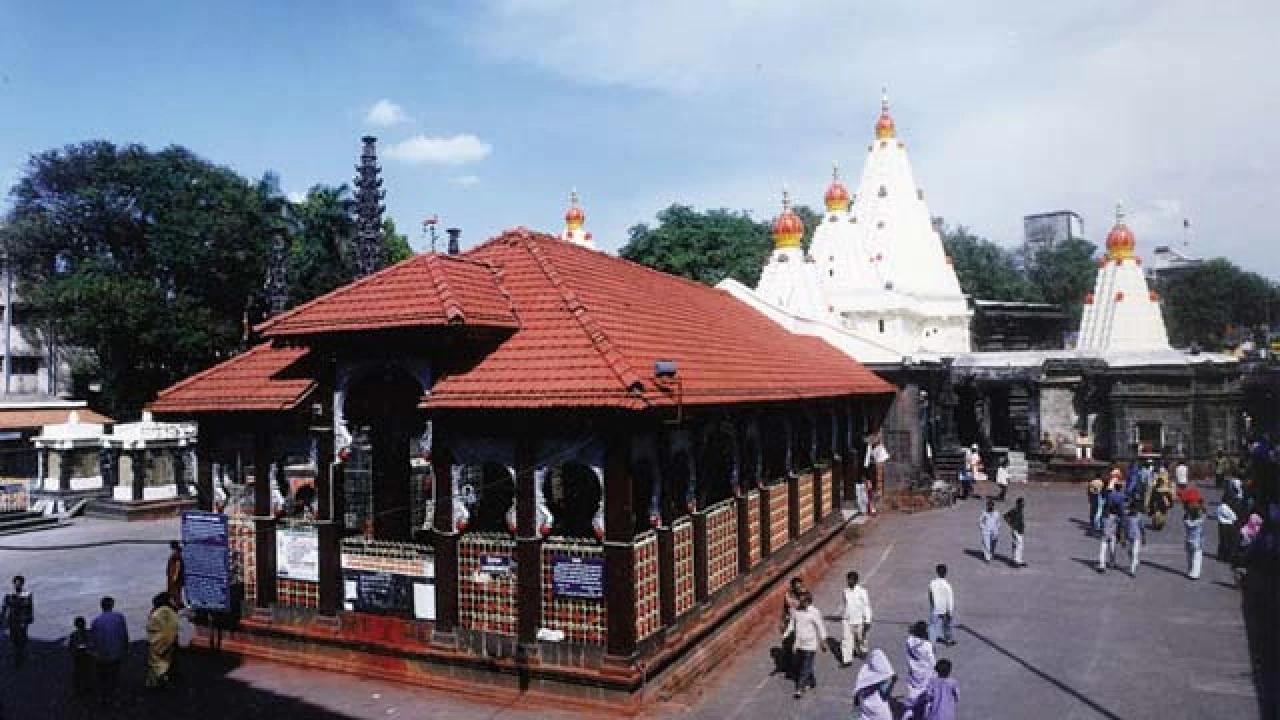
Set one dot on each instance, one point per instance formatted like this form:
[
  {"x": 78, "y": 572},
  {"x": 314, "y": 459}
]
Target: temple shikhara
[{"x": 535, "y": 464}]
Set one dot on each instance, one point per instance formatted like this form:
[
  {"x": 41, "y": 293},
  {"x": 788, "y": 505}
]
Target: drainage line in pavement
[{"x": 81, "y": 546}]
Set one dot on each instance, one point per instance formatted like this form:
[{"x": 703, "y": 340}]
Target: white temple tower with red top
[
  {"x": 574, "y": 219},
  {"x": 1122, "y": 314},
  {"x": 789, "y": 279}
]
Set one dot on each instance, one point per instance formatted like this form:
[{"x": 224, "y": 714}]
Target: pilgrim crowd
[{"x": 1123, "y": 506}]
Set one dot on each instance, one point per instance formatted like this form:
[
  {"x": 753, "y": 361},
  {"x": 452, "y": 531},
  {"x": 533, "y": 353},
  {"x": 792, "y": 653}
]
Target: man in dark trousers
[
  {"x": 16, "y": 616},
  {"x": 110, "y": 635}
]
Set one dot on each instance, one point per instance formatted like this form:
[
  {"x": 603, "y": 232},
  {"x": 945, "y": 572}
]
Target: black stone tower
[
  {"x": 277, "y": 284},
  {"x": 369, "y": 209}
]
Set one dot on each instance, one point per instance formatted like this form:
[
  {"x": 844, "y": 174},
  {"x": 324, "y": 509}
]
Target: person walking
[
  {"x": 1095, "y": 490},
  {"x": 1135, "y": 534},
  {"x": 877, "y": 458},
  {"x": 941, "y": 695},
  {"x": 1016, "y": 519},
  {"x": 16, "y": 615},
  {"x": 80, "y": 646},
  {"x": 942, "y": 604},
  {"x": 175, "y": 573},
  {"x": 790, "y": 603},
  {"x": 110, "y": 634},
  {"x": 1193, "y": 523},
  {"x": 809, "y": 636},
  {"x": 1221, "y": 468},
  {"x": 920, "y": 661},
  {"x": 1107, "y": 541},
  {"x": 989, "y": 526},
  {"x": 1161, "y": 502},
  {"x": 972, "y": 465},
  {"x": 855, "y": 620},
  {"x": 1002, "y": 478},
  {"x": 1227, "y": 530},
  {"x": 162, "y": 640},
  {"x": 873, "y": 688}
]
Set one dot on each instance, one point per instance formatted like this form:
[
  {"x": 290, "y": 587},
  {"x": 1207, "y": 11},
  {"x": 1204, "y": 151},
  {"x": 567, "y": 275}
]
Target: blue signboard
[
  {"x": 498, "y": 565},
  {"x": 206, "y": 560},
  {"x": 577, "y": 577}
]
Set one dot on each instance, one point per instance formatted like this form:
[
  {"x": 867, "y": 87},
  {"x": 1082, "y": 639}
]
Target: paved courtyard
[{"x": 1053, "y": 640}]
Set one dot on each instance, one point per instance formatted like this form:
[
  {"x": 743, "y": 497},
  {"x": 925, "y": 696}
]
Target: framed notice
[
  {"x": 298, "y": 553},
  {"x": 206, "y": 560},
  {"x": 577, "y": 577}
]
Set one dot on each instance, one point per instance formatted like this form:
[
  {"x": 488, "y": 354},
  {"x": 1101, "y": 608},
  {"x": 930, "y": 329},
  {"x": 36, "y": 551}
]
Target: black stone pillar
[
  {"x": 328, "y": 527},
  {"x": 700, "y": 563},
  {"x": 619, "y": 550},
  {"x": 528, "y": 550},
  {"x": 793, "y": 506},
  {"x": 264, "y": 522},
  {"x": 64, "y": 471},
  {"x": 204, "y": 476},
  {"x": 444, "y": 540},
  {"x": 139, "y": 464},
  {"x": 667, "y": 575}
]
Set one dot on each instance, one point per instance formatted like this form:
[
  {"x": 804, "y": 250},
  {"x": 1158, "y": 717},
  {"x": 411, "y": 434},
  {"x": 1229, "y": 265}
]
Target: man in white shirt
[
  {"x": 855, "y": 620},
  {"x": 942, "y": 604},
  {"x": 877, "y": 455},
  {"x": 1181, "y": 474},
  {"x": 809, "y": 631}
]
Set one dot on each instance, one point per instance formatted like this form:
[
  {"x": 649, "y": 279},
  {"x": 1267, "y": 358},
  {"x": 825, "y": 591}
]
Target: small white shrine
[{"x": 1122, "y": 314}]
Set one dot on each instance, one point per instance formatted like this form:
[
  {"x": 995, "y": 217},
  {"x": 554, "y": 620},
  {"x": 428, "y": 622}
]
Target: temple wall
[{"x": 1058, "y": 416}]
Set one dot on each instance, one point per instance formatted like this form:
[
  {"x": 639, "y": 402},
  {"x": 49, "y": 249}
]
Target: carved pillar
[
  {"x": 204, "y": 476},
  {"x": 444, "y": 539},
  {"x": 793, "y": 506},
  {"x": 766, "y": 524},
  {"x": 264, "y": 522},
  {"x": 328, "y": 527},
  {"x": 700, "y": 564},
  {"x": 64, "y": 470},
  {"x": 619, "y": 549},
  {"x": 528, "y": 548},
  {"x": 667, "y": 575},
  {"x": 139, "y": 458}
]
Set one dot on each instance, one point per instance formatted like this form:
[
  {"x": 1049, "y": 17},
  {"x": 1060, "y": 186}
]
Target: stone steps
[
  {"x": 12, "y": 523},
  {"x": 139, "y": 510}
]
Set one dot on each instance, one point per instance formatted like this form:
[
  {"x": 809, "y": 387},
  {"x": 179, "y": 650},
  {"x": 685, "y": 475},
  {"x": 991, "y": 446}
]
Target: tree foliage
[
  {"x": 1064, "y": 273},
  {"x": 1203, "y": 303},
  {"x": 986, "y": 270},
  {"x": 148, "y": 260},
  {"x": 708, "y": 246}
]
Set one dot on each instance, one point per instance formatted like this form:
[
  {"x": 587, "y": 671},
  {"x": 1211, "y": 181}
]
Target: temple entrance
[{"x": 382, "y": 404}]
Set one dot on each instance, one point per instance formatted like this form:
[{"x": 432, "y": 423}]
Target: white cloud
[
  {"x": 1007, "y": 107},
  {"x": 385, "y": 113},
  {"x": 428, "y": 150},
  {"x": 465, "y": 180}
]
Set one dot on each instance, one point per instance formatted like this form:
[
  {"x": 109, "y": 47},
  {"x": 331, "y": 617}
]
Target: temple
[
  {"x": 530, "y": 460},
  {"x": 574, "y": 219}
]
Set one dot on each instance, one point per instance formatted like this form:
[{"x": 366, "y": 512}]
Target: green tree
[
  {"x": 1203, "y": 302},
  {"x": 148, "y": 261},
  {"x": 1064, "y": 274},
  {"x": 323, "y": 255},
  {"x": 706, "y": 246},
  {"x": 986, "y": 270},
  {"x": 395, "y": 247}
]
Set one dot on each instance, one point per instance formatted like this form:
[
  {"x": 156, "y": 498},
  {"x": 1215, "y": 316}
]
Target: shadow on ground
[
  {"x": 1260, "y": 598},
  {"x": 42, "y": 688}
]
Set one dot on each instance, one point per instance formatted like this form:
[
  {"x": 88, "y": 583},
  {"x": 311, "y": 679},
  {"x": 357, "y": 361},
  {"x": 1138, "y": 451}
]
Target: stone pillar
[
  {"x": 64, "y": 471},
  {"x": 204, "y": 477},
  {"x": 793, "y": 506},
  {"x": 328, "y": 527},
  {"x": 766, "y": 526},
  {"x": 817, "y": 494},
  {"x": 528, "y": 550},
  {"x": 700, "y": 563},
  {"x": 180, "y": 472},
  {"x": 444, "y": 540},
  {"x": 264, "y": 522},
  {"x": 619, "y": 550},
  {"x": 744, "y": 530},
  {"x": 667, "y": 575},
  {"x": 139, "y": 463}
]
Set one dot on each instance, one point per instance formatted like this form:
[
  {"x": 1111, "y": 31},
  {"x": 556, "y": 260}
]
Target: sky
[{"x": 488, "y": 112}]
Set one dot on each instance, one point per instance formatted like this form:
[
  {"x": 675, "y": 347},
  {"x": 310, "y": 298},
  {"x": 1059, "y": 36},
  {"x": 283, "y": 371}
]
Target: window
[
  {"x": 25, "y": 365},
  {"x": 884, "y": 192},
  {"x": 488, "y": 491},
  {"x": 573, "y": 496},
  {"x": 881, "y": 324}
]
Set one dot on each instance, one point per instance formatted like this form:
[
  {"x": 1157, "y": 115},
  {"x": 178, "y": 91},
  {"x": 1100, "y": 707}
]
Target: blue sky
[{"x": 1007, "y": 107}]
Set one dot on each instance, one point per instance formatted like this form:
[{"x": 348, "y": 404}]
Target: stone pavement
[{"x": 1054, "y": 640}]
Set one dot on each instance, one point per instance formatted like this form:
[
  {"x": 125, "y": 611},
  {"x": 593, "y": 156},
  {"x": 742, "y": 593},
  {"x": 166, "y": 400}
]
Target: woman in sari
[
  {"x": 873, "y": 687},
  {"x": 1161, "y": 501},
  {"x": 920, "y": 663},
  {"x": 162, "y": 640}
]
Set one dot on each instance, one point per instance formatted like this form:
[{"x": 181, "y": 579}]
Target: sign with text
[
  {"x": 298, "y": 553},
  {"x": 577, "y": 577},
  {"x": 499, "y": 565},
  {"x": 206, "y": 560}
]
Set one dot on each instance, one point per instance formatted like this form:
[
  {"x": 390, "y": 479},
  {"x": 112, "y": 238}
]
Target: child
[
  {"x": 81, "y": 648},
  {"x": 941, "y": 695}
]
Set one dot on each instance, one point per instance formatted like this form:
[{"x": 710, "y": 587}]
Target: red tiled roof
[
  {"x": 421, "y": 291},
  {"x": 254, "y": 380},
  {"x": 593, "y": 325},
  {"x": 18, "y": 418}
]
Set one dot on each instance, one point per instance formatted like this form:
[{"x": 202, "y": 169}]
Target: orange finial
[
  {"x": 1120, "y": 241},
  {"x": 574, "y": 217},
  {"x": 788, "y": 228},
  {"x": 884, "y": 126},
  {"x": 837, "y": 197}
]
